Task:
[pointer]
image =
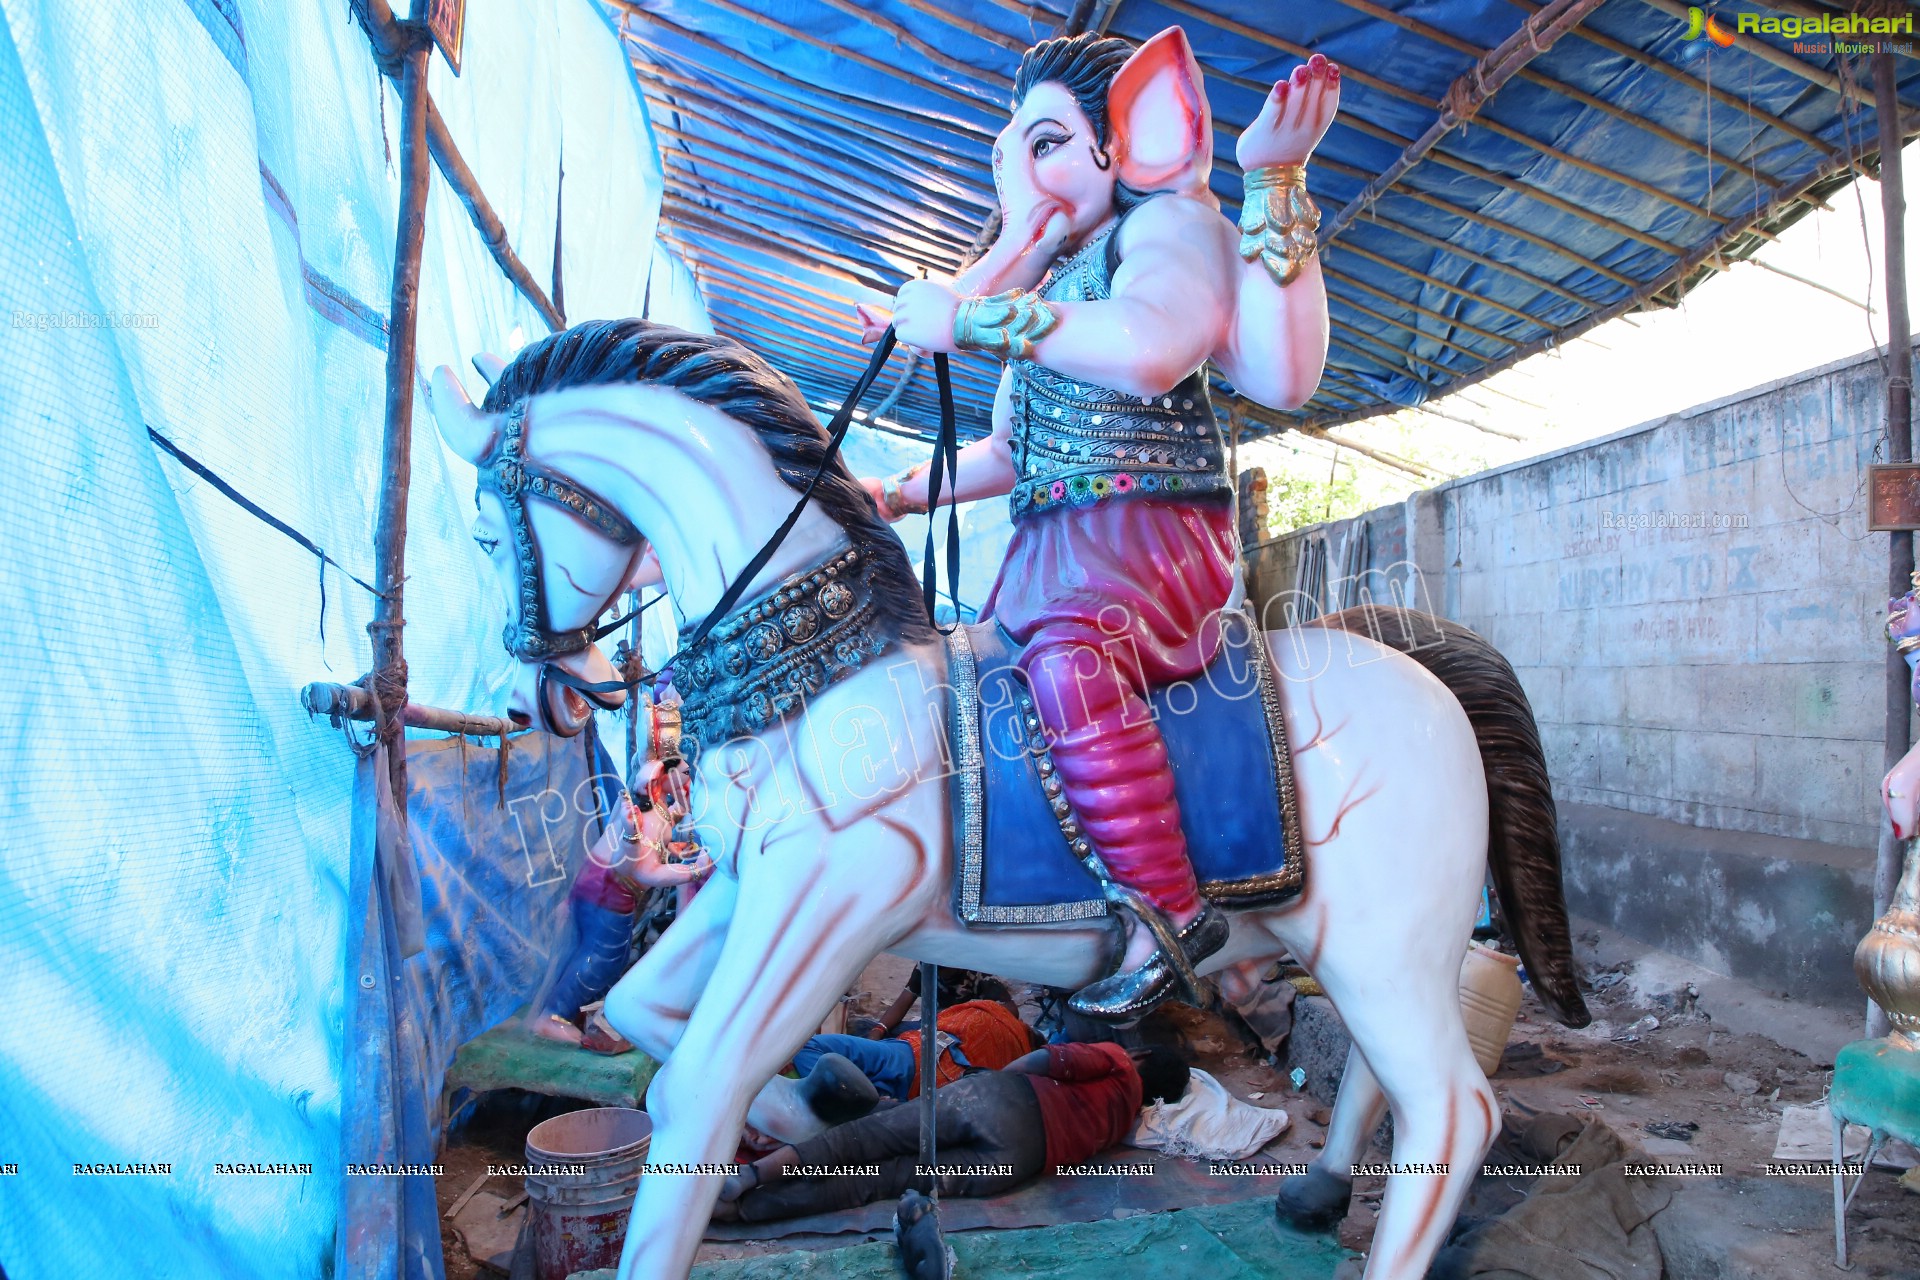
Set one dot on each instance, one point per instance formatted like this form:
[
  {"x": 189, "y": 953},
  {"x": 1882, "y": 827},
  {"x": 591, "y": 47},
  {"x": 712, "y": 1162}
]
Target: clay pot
[
  {"x": 1887, "y": 961},
  {"x": 1489, "y": 1002}
]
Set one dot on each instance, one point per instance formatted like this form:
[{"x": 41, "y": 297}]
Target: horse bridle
[{"x": 510, "y": 475}]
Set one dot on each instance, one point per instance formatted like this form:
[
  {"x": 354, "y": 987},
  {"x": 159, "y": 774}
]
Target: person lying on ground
[
  {"x": 1050, "y": 1110},
  {"x": 984, "y": 1035}
]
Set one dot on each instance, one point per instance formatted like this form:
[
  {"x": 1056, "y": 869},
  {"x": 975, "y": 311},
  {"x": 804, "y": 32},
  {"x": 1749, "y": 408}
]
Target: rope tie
[{"x": 1463, "y": 100}]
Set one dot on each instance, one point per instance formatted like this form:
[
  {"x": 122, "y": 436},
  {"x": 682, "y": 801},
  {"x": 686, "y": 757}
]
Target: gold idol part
[
  {"x": 1003, "y": 324},
  {"x": 1279, "y": 222},
  {"x": 896, "y": 499}
]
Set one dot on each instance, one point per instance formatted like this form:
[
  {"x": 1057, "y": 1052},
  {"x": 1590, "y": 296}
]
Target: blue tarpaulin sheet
[
  {"x": 819, "y": 152},
  {"x": 492, "y": 860}
]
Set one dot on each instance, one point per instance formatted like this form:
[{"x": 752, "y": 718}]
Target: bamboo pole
[
  {"x": 389, "y": 679},
  {"x": 926, "y": 183},
  {"x": 1448, "y": 41},
  {"x": 1703, "y": 255},
  {"x": 689, "y": 183},
  {"x": 389, "y": 47},
  {"x": 1438, "y": 317},
  {"x": 1379, "y": 259},
  {"x": 1620, "y": 48},
  {"x": 872, "y": 110},
  {"x": 1494, "y": 224},
  {"x": 351, "y": 702},
  {"x": 1469, "y": 92},
  {"x": 493, "y": 232},
  {"x": 968, "y": 381},
  {"x": 1899, "y": 698},
  {"x": 1374, "y": 220},
  {"x": 720, "y": 226},
  {"x": 1349, "y": 119},
  {"x": 1389, "y": 363},
  {"x": 1384, "y": 318},
  {"x": 1762, "y": 50},
  {"x": 764, "y": 22},
  {"x": 894, "y": 213}
]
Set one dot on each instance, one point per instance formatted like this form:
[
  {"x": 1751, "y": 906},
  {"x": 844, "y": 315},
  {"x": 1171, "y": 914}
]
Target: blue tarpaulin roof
[{"x": 819, "y": 152}]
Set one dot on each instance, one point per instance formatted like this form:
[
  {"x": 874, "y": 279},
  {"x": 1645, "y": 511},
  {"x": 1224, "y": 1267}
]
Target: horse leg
[
  {"x": 804, "y": 927},
  {"x": 1444, "y": 1112},
  {"x": 650, "y": 1005},
  {"x": 1318, "y": 1199}
]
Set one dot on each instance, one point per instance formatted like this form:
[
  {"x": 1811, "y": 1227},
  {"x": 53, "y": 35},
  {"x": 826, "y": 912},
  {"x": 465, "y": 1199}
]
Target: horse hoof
[
  {"x": 1313, "y": 1201},
  {"x": 924, "y": 1253},
  {"x": 837, "y": 1091}
]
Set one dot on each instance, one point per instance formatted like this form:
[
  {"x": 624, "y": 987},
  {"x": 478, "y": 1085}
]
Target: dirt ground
[{"x": 1649, "y": 1058}]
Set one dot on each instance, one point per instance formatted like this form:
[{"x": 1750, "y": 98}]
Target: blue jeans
[
  {"x": 888, "y": 1063},
  {"x": 598, "y": 958}
]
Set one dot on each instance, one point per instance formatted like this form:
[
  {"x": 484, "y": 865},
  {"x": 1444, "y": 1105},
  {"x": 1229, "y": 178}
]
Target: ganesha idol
[{"x": 1115, "y": 279}]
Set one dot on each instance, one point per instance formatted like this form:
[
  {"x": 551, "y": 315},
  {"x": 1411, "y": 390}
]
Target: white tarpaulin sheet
[{"x": 196, "y": 231}]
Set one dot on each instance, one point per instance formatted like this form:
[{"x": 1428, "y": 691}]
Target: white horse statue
[{"x": 830, "y": 822}]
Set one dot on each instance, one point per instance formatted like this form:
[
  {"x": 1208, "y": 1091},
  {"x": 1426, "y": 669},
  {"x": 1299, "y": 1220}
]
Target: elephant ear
[{"x": 1161, "y": 126}]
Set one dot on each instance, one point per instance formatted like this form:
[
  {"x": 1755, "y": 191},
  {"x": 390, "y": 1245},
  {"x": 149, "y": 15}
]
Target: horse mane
[{"x": 725, "y": 375}]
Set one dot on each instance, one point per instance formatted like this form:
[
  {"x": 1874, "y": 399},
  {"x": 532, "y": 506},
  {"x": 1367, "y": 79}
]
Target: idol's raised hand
[{"x": 1294, "y": 118}]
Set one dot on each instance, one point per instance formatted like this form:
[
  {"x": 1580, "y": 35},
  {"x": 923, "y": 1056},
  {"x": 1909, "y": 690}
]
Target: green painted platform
[
  {"x": 508, "y": 1057},
  {"x": 1216, "y": 1242}
]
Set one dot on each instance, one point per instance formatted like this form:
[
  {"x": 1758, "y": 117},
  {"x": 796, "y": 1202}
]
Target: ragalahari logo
[{"x": 1701, "y": 23}]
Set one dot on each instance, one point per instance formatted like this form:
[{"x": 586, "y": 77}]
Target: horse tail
[{"x": 1523, "y": 837}]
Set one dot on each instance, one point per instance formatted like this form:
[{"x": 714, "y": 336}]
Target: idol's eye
[
  {"x": 487, "y": 545},
  {"x": 1047, "y": 142}
]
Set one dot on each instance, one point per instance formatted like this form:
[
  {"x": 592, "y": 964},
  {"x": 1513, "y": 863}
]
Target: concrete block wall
[{"x": 1695, "y": 608}]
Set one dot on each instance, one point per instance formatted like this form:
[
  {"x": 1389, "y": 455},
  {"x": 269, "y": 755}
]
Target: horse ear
[
  {"x": 1161, "y": 126},
  {"x": 468, "y": 430}
]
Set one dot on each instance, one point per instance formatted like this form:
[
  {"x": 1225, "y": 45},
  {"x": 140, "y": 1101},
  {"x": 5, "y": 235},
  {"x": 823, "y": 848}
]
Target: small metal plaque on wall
[
  {"x": 447, "y": 19},
  {"x": 1893, "y": 496}
]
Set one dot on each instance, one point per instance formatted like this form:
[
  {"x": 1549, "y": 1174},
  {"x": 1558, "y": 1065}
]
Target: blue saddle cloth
[{"x": 1233, "y": 777}]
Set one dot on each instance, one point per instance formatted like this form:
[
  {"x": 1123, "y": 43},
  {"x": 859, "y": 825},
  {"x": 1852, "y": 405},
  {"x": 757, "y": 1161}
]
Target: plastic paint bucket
[{"x": 586, "y": 1169}]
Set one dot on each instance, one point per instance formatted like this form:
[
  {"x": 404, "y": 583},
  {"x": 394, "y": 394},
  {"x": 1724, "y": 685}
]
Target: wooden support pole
[
  {"x": 1893, "y": 209},
  {"x": 1468, "y": 94},
  {"x": 1761, "y": 49},
  {"x": 493, "y": 232},
  {"x": 1730, "y": 231},
  {"x": 389, "y": 680},
  {"x": 351, "y": 702},
  {"x": 861, "y": 112}
]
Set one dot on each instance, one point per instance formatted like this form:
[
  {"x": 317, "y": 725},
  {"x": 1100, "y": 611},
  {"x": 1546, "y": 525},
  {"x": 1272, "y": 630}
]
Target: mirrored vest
[{"x": 1076, "y": 444}]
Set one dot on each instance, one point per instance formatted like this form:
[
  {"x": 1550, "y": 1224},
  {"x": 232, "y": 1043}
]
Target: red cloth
[
  {"x": 1089, "y": 1100},
  {"x": 1113, "y": 600}
]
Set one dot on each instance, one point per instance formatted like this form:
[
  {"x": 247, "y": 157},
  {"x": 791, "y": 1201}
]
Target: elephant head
[{"x": 1095, "y": 126}]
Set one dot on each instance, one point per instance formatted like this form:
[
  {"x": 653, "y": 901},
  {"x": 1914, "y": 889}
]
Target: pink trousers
[{"x": 1111, "y": 601}]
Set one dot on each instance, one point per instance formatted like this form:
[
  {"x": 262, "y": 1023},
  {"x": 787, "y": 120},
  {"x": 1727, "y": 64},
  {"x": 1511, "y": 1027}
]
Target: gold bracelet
[
  {"x": 1279, "y": 222},
  {"x": 898, "y": 504},
  {"x": 1003, "y": 324}
]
